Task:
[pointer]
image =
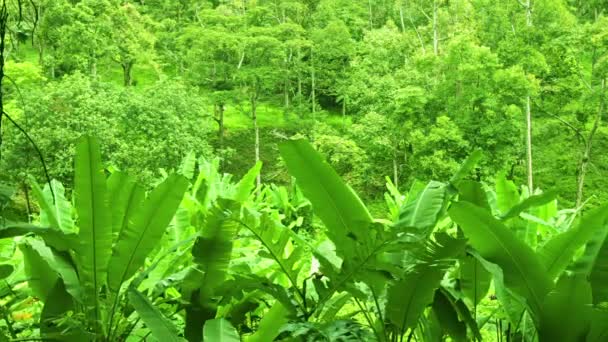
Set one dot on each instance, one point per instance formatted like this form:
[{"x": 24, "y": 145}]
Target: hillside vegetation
[{"x": 303, "y": 170}]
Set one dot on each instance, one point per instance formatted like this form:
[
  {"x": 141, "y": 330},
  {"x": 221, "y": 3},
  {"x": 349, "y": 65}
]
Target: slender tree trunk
[
  {"x": 529, "y": 145},
  {"x": 371, "y": 15},
  {"x": 41, "y": 52},
  {"x": 587, "y": 152},
  {"x": 528, "y": 13},
  {"x": 126, "y": 69},
  {"x": 401, "y": 18},
  {"x": 314, "y": 98},
  {"x": 435, "y": 33},
  {"x": 254, "y": 117},
  {"x": 299, "y": 89},
  {"x": 94, "y": 69},
  {"x": 415, "y": 30},
  {"x": 220, "y": 122},
  {"x": 395, "y": 169},
  {"x": 344, "y": 111},
  {"x": 286, "y": 93},
  {"x": 529, "y": 118},
  {"x": 219, "y": 118}
]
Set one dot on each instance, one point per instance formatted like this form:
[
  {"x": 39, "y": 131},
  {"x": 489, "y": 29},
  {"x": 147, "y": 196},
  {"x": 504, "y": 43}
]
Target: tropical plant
[{"x": 82, "y": 258}]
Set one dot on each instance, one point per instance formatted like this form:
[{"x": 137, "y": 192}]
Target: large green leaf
[
  {"x": 507, "y": 195},
  {"x": 219, "y": 330},
  {"x": 55, "y": 238},
  {"x": 160, "y": 326},
  {"x": 126, "y": 197},
  {"x": 473, "y": 279},
  {"x": 409, "y": 296},
  {"x": 473, "y": 192},
  {"x": 244, "y": 187},
  {"x": 558, "y": 252},
  {"x": 55, "y": 212},
  {"x": 423, "y": 212},
  {"x": 530, "y": 202},
  {"x": 142, "y": 234},
  {"x": 467, "y": 166},
  {"x": 571, "y": 297},
  {"x": 511, "y": 304},
  {"x": 593, "y": 264},
  {"x": 211, "y": 252},
  {"x": 358, "y": 239},
  {"x": 57, "y": 263},
  {"x": 463, "y": 312},
  {"x": 188, "y": 165},
  {"x": 40, "y": 276},
  {"x": 523, "y": 272},
  {"x": 56, "y": 307},
  {"x": 340, "y": 209},
  {"x": 448, "y": 317},
  {"x": 271, "y": 324},
  {"x": 278, "y": 246},
  {"x": 94, "y": 218}
]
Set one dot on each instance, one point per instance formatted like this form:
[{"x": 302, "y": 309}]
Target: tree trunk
[
  {"x": 94, "y": 69},
  {"x": 299, "y": 89},
  {"x": 435, "y": 33},
  {"x": 126, "y": 69},
  {"x": 254, "y": 117},
  {"x": 41, "y": 53},
  {"x": 371, "y": 15},
  {"x": 219, "y": 118},
  {"x": 395, "y": 169},
  {"x": 529, "y": 145},
  {"x": 344, "y": 111},
  {"x": 220, "y": 122},
  {"x": 587, "y": 152},
  {"x": 286, "y": 93},
  {"x": 401, "y": 18},
  {"x": 529, "y": 117},
  {"x": 299, "y": 79},
  {"x": 313, "y": 92},
  {"x": 528, "y": 13}
]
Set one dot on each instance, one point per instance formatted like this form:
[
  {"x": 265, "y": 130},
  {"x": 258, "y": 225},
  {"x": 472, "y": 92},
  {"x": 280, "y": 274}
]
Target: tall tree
[
  {"x": 259, "y": 74},
  {"x": 131, "y": 38}
]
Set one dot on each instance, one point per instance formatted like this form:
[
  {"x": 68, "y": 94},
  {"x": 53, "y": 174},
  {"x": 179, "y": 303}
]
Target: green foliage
[
  {"x": 160, "y": 326},
  {"x": 396, "y": 95},
  {"x": 190, "y": 258},
  {"x": 86, "y": 276},
  {"x": 139, "y": 132}
]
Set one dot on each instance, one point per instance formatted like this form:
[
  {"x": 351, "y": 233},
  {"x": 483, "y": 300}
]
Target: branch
[
  {"x": 426, "y": 15},
  {"x": 40, "y": 156},
  {"x": 241, "y": 61},
  {"x": 569, "y": 125}
]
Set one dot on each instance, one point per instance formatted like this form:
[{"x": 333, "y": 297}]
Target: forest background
[{"x": 404, "y": 89}]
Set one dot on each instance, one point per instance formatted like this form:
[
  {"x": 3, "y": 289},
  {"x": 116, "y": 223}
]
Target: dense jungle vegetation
[{"x": 303, "y": 170}]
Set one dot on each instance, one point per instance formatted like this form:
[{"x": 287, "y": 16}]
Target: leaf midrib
[
  {"x": 519, "y": 268},
  {"x": 327, "y": 193}
]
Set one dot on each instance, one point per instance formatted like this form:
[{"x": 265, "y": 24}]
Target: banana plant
[
  {"x": 378, "y": 262},
  {"x": 564, "y": 274},
  {"x": 96, "y": 247},
  {"x": 211, "y": 211}
]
